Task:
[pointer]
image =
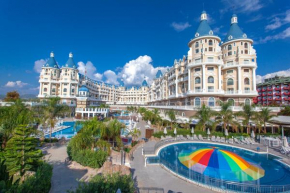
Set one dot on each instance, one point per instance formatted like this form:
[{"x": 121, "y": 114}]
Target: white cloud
[
  {"x": 180, "y": 26},
  {"x": 245, "y": 6},
  {"x": 38, "y": 65},
  {"x": 278, "y": 20},
  {"x": 282, "y": 35},
  {"x": 255, "y": 18},
  {"x": 111, "y": 77},
  {"x": 260, "y": 79},
  {"x": 276, "y": 23},
  {"x": 18, "y": 84},
  {"x": 134, "y": 71},
  {"x": 89, "y": 69}
]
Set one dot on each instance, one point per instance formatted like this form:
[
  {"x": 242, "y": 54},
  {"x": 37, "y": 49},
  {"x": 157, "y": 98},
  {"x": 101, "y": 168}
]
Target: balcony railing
[{"x": 277, "y": 89}]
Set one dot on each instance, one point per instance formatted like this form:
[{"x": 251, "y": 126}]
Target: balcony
[
  {"x": 286, "y": 88},
  {"x": 286, "y": 93},
  {"x": 264, "y": 99},
  {"x": 264, "y": 89},
  {"x": 264, "y": 94},
  {"x": 278, "y": 99},
  {"x": 270, "y": 94},
  {"x": 259, "y": 99},
  {"x": 269, "y": 89},
  {"x": 277, "y": 94},
  {"x": 277, "y": 89},
  {"x": 260, "y": 94},
  {"x": 270, "y": 99}
]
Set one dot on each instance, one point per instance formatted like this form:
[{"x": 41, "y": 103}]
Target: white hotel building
[{"x": 212, "y": 70}]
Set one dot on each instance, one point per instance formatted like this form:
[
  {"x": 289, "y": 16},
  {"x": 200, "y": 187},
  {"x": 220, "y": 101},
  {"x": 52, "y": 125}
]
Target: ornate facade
[{"x": 212, "y": 70}]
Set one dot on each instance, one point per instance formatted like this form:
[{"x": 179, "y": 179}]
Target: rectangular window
[
  {"x": 197, "y": 69},
  {"x": 197, "y": 61},
  {"x": 210, "y": 69},
  {"x": 229, "y": 53},
  {"x": 210, "y": 89},
  {"x": 246, "y": 70},
  {"x": 210, "y": 49},
  {"x": 246, "y": 51},
  {"x": 210, "y": 59},
  {"x": 230, "y": 71},
  {"x": 246, "y": 61},
  {"x": 197, "y": 51},
  {"x": 230, "y": 63}
]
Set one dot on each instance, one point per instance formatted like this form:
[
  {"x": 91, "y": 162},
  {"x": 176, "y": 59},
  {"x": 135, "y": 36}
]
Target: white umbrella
[
  {"x": 149, "y": 122},
  {"x": 285, "y": 142},
  {"x": 192, "y": 130},
  {"x": 147, "y": 126},
  {"x": 175, "y": 132},
  {"x": 226, "y": 132},
  {"x": 119, "y": 191},
  {"x": 208, "y": 131},
  {"x": 165, "y": 131},
  {"x": 253, "y": 134}
]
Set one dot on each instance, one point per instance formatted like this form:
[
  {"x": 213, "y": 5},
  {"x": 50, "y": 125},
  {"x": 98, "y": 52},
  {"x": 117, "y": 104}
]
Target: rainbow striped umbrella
[{"x": 222, "y": 164}]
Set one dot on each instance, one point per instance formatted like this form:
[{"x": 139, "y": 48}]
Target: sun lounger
[
  {"x": 200, "y": 137},
  {"x": 223, "y": 140},
  {"x": 195, "y": 137},
  {"x": 218, "y": 139},
  {"x": 188, "y": 137},
  {"x": 231, "y": 141},
  {"x": 212, "y": 138},
  {"x": 237, "y": 141}
]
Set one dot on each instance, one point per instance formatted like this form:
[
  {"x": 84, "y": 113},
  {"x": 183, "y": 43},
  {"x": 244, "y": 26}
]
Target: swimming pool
[
  {"x": 225, "y": 167},
  {"x": 67, "y": 132}
]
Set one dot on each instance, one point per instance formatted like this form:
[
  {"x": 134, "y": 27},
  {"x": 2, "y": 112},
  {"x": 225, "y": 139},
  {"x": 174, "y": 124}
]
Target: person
[{"x": 258, "y": 148}]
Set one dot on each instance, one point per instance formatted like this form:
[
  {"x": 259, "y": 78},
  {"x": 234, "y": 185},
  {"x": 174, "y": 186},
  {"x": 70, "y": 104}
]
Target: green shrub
[
  {"x": 87, "y": 157},
  {"x": 40, "y": 182},
  {"x": 109, "y": 183}
]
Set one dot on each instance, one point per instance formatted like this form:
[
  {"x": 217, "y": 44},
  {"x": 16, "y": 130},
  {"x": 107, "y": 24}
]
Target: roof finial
[
  {"x": 234, "y": 19},
  {"x": 203, "y": 16},
  {"x": 51, "y": 54},
  {"x": 70, "y": 55}
]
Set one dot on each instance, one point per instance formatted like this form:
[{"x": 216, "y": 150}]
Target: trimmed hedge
[
  {"x": 185, "y": 132},
  {"x": 109, "y": 183}
]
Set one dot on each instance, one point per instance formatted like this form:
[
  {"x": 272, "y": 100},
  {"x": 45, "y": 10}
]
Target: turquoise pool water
[{"x": 272, "y": 173}]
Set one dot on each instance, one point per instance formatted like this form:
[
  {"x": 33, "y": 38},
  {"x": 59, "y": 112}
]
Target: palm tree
[
  {"x": 258, "y": 121},
  {"x": 171, "y": 115},
  {"x": 226, "y": 115},
  {"x": 114, "y": 130},
  {"x": 135, "y": 133},
  {"x": 204, "y": 115},
  {"x": 53, "y": 109},
  {"x": 285, "y": 111},
  {"x": 247, "y": 114},
  {"x": 265, "y": 115}
]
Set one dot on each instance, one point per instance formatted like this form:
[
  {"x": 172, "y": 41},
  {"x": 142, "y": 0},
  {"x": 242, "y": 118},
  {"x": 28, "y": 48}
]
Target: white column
[
  {"x": 254, "y": 79},
  {"x": 40, "y": 89},
  {"x": 220, "y": 78},
  {"x": 49, "y": 89},
  {"x": 239, "y": 80},
  {"x": 189, "y": 80},
  {"x": 203, "y": 78},
  {"x": 176, "y": 86}
]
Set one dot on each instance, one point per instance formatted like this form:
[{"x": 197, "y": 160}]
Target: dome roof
[
  {"x": 51, "y": 63},
  {"x": 84, "y": 88},
  {"x": 235, "y": 31},
  {"x": 158, "y": 74},
  {"x": 70, "y": 62},
  {"x": 203, "y": 29},
  {"x": 144, "y": 83}
]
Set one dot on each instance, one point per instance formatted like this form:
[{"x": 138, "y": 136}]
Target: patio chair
[
  {"x": 223, "y": 140},
  {"x": 231, "y": 141},
  {"x": 212, "y": 138},
  {"x": 200, "y": 137},
  {"x": 237, "y": 141},
  {"x": 195, "y": 137},
  {"x": 245, "y": 141},
  {"x": 284, "y": 150},
  {"x": 188, "y": 137}
]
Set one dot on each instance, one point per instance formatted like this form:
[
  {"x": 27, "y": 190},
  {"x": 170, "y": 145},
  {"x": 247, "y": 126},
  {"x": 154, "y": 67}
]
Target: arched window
[
  {"x": 247, "y": 102},
  {"x": 210, "y": 43},
  {"x": 197, "y": 80},
  {"x": 211, "y": 102},
  {"x": 230, "y": 47},
  {"x": 45, "y": 89},
  {"x": 197, "y": 102},
  {"x": 196, "y": 44},
  {"x": 64, "y": 90},
  {"x": 247, "y": 81},
  {"x": 246, "y": 45},
  {"x": 210, "y": 79},
  {"x": 232, "y": 102},
  {"x": 230, "y": 82}
]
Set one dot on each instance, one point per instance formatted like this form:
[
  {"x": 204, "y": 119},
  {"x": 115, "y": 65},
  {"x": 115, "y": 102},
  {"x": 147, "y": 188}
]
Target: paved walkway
[
  {"x": 63, "y": 178},
  {"x": 156, "y": 178}
]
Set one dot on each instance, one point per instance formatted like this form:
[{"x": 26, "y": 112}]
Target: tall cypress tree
[{"x": 21, "y": 154}]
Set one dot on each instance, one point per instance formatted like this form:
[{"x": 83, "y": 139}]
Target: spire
[
  {"x": 235, "y": 31},
  {"x": 70, "y": 62},
  {"x": 158, "y": 74},
  {"x": 203, "y": 29},
  {"x": 51, "y": 63}
]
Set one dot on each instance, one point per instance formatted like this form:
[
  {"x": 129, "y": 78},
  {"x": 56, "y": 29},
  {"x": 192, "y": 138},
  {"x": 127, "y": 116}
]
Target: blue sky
[{"x": 129, "y": 39}]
